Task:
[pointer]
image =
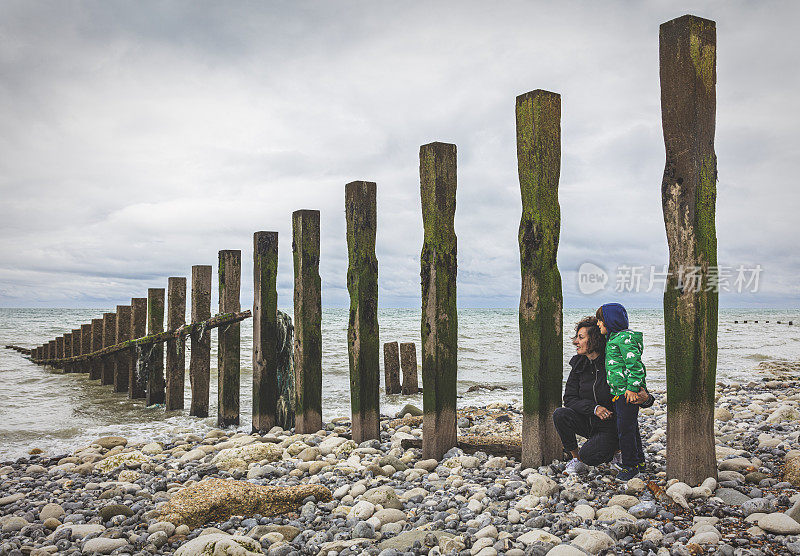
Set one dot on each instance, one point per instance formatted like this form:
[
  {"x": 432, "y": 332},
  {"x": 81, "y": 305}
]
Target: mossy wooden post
[
  {"x": 59, "y": 352},
  {"x": 688, "y": 197},
  {"x": 122, "y": 360},
  {"x": 265, "y": 331},
  {"x": 76, "y": 349},
  {"x": 95, "y": 364},
  {"x": 228, "y": 349},
  {"x": 363, "y": 345},
  {"x": 52, "y": 351},
  {"x": 86, "y": 346},
  {"x": 439, "y": 265},
  {"x": 68, "y": 351},
  {"x": 176, "y": 357},
  {"x": 137, "y": 388},
  {"x": 109, "y": 339},
  {"x": 155, "y": 358},
  {"x": 538, "y": 115},
  {"x": 408, "y": 362},
  {"x": 391, "y": 367},
  {"x": 307, "y": 321},
  {"x": 200, "y": 352}
]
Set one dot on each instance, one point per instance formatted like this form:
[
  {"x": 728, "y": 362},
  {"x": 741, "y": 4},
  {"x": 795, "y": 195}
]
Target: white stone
[
  {"x": 390, "y": 515},
  {"x": 220, "y": 543},
  {"x": 680, "y": 492},
  {"x": 515, "y": 517},
  {"x": 564, "y": 550},
  {"x": 706, "y": 537},
  {"x": 614, "y": 512},
  {"x": 542, "y": 485},
  {"x": 624, "y": 500},
  {"x": 488, "y": 531},
  {"x": 653, "y": 535},
  {"x": 362, "y": 510},
  {"x": 480, "y": 544},
  {"x": 584, "y": 511},
  {"x": 538, "y": 535},
  {"x": 80, "y": 530},
  {"x": 102, "y": 545},
  {"x": 593, "y": 541},
  {"x": 779, "y": 524}
]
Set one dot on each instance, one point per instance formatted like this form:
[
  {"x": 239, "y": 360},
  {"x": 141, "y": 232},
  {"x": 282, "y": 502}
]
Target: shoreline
[{"x": 383, "y": 499}]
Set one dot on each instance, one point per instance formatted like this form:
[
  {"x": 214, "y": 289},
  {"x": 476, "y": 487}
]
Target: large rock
[
  {"x": 384, "y": 496},
  {"x": 779, "y": 524},
  {"x": 723, "y": 414},
  {"x": 102, "y": 545},
  {"x": 127, "y": 459},
  {"x": 328, "y": 445},
  {"x": 542, "y": 485},
  {"x": 217, "y": 500},
  {"x": 784, "y": 413},
  {"x": 735, "y": 464},
  {"x": 220, "y": 543},
  {"x": 791, "y": 472},
  {"x": 593, "y": 541},
  {"x": 51, "y": 510},
  {"x": 109, "y": 442},
  {"x": 731, "y": 496},
  {"x": 245, "y": 455},
  {"x": 758, "y": 505}
]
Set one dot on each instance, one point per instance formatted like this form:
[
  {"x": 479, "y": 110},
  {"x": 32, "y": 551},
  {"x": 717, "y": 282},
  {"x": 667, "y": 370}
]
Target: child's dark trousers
[{"x": 630, "y": 440}]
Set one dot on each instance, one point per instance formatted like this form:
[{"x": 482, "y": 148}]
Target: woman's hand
[
  {"x": 632, "y": 397},
  {"x": 602, "y": 412}
]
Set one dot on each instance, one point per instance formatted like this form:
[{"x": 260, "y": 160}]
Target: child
[{"x": 625, "y": 374}]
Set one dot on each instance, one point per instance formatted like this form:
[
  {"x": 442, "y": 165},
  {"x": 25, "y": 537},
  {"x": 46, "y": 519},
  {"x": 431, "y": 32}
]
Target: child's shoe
[
  {"x": 575, "y": 467},
  {"x": 628, "y": 473}
]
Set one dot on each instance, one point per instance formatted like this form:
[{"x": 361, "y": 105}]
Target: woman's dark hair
[
  {"x": 599, "y": 315},
  {"x": 596, "y": 342}
]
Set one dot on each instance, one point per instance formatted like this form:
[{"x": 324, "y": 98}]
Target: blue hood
[{"x": 615, "y": 317}]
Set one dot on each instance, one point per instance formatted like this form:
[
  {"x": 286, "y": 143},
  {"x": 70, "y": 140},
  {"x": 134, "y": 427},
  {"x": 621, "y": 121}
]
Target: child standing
[{"x": 625, "y": 374}]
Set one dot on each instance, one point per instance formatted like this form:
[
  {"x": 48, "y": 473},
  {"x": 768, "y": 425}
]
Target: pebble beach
[{"x": 285, "y": 494}]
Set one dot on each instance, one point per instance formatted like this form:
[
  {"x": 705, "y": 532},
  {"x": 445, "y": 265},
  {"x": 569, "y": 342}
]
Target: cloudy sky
[{"x": 139, "y": 138}]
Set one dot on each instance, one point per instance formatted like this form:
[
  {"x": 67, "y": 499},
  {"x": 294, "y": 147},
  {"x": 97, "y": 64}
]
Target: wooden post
[
  {"x": 68, "y": 351},
  {"x": 76, "y": 348},
  {"x": 363, "y": 344},
  {"x": 86, "y": 346},
  {"x": 137, "y": 387},
  {"x": 540, "y": 304},
  {"x": 155, "y": 355},
  {"x": 59, "y": 351},
  {"x": 109, "y": 338},
  {"x": 228, "y": 350},
  {"x": 688, "y": 195},
  {"x": 391, "y": 367},
  {"x": 95, "y": 364},
  {"x": 307, "y": 321},
  {"x": 408, "y": 362},
  {"x": 122, "y": 360},
  {"x": 52, "y": 351},
  {"x": 437, "y": 174},
  {"x": 265, "y": 330},
  {"x": 200, "y": 353},
  {"x": 176, "y": 357}
]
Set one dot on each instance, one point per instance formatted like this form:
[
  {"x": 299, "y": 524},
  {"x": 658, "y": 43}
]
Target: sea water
[{"x": 40, "y": 407}]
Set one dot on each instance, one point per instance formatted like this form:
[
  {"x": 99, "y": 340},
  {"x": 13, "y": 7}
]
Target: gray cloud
[{"x": 138, "y": 139}]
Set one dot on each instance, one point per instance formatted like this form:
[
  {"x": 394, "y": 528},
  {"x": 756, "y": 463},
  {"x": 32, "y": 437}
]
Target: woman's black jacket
[{"x": 587, "y": 387}]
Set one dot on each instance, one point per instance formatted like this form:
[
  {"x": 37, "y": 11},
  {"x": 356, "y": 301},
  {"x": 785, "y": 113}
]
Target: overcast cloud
[{"x": 138, "y": 139}]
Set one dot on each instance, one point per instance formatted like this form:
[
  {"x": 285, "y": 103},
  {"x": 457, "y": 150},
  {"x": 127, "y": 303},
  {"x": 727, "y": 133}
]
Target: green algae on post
[
  {"x": 688, "y": 194},
  {"x": 200, "y": 351},
  {"x": 538, "y": 115},
  {"x": 95, "y": 365},
  {"x": 265, "y": 331},
  {"x": 307, "y": 321},
  {"x": 122, "y": 359},
  {"x": 408, "y": 362},
  {"x": 391, "y": 367},
  {"x": 363, "y": 345},
  {"x": 109, "y": 339},
  {"x": 175, "y": 366},
  {"x": 229, "y": 339},
  {"x": 86, "y": 346},
  {"x": 439, "y": 265},
  {"x": 137, "y": 385}
]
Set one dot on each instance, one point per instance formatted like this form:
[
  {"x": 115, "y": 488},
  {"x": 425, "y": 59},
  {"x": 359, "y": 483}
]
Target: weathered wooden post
[
  {"x": 137, "y": 388},
  {"x": 122, "y": 359},
  {"x": 307, "y": 321},
  {"x": 540, "y": 304},
  {"x": 176, "y": 357},
  {"x": 200, "y": 353},
  {"x": 408, "y": 362},
  {"x": 68, "y": 352},
  {"x": 95, "y": 364},
  {"x": 109, "y": 339},
  {"x": 363, "y": 345},
  {"x": 688, "y": 196},
  {"x": 59, "y": 352},
  {"x": 52, "y": 351},
  {"x": 391, "y": 367},
  {"x": 155, "y": 356},
  {"x": 438, "y": 261},
  {"x": 86, "y": 346},
  {"x": 228, "y": 349},
  {"x": 265, "y": 330},
  {"x": 76, "y": 349}
]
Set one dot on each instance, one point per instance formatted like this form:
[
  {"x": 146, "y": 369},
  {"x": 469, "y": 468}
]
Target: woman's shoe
[
  {"x": 628, "y": 473},
  {"x": 616, "y": 462}
]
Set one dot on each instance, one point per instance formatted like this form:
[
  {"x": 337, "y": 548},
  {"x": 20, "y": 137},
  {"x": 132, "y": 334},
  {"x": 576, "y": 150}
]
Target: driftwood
[
  {"x": 186, "y": 330},
  {"x": 505, "y": 446}
]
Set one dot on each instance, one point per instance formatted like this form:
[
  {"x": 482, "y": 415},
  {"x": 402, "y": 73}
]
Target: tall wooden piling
[
  {"x": 59, "y": 351},
  {"x": 688, "y": 195},
  {"x": 538, "y": 115},
  {"x": 122, "y": 360},
  {"x": 52, "y": 352},
  {"x": 363, "y": 344},
  {"x": 155, "y": 356},
  {"x": 176, "y": 357},
  {"x": 200, "y": 356},
  {"x": 109, "y": 339},
  {"x": 68, "y": 351},
  {"x": 265, "y": 330},
  {"x": 76, "y": 348},
  {"x": 307, "y": 321},
  {"x": 391, "y": 367},
  {"x": 438, "y": 261},
  {"x": 408, "y": 362},
  {"x": 95, "y": 363},
  {"x": 137, "y": 387},
  {"x": 86, "y": 346},
  {"x": 228, "y": 350}
]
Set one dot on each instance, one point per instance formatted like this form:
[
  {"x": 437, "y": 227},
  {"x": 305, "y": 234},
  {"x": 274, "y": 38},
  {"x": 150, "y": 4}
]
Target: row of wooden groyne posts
[{"x": 688, "y": 191}]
